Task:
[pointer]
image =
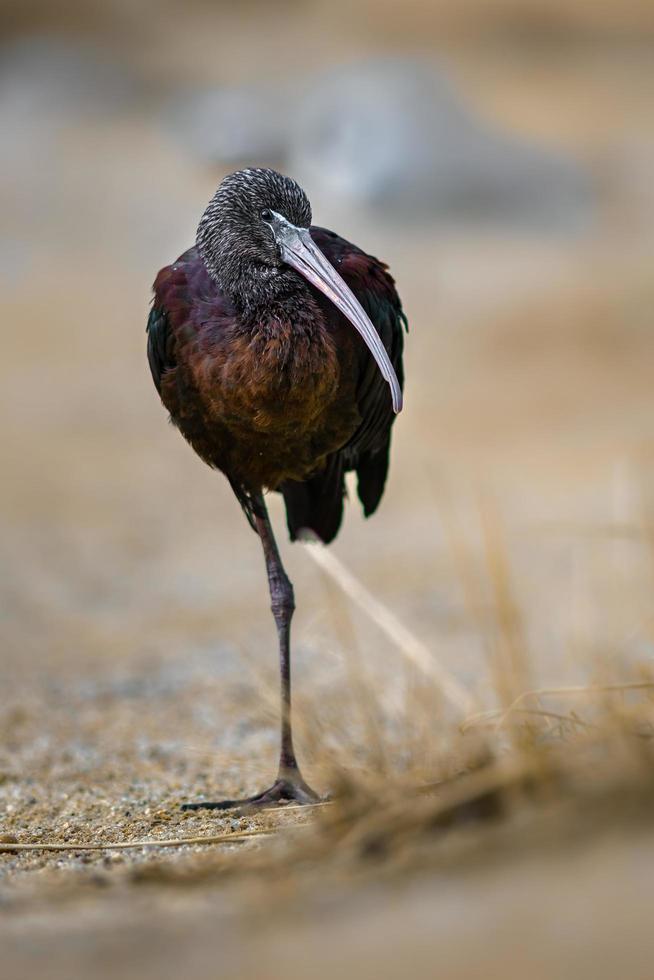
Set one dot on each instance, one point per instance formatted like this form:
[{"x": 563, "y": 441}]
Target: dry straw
[
  {"x": 11, "y": 846},
  {"x": 407, "y": 642}
]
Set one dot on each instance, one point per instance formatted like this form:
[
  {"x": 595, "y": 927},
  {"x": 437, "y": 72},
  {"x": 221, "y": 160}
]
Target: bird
[{"x": 276, "y": 347}]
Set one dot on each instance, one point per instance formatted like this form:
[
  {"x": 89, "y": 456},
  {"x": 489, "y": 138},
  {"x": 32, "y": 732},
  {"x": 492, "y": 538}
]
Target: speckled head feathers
[{"x": 237, "y": 246}]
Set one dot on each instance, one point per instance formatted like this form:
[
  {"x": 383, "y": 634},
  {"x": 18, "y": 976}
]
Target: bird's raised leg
[{"x": 289, "y": 785}]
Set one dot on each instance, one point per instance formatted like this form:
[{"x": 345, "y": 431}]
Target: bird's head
[{"x": 254, "y": 239}]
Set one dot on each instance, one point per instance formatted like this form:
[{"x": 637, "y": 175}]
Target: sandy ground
[{"x": 137, "y": 660}]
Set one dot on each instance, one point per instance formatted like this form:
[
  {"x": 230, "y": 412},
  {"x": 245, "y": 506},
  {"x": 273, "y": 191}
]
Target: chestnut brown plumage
[{"x": 276, "y": 347}]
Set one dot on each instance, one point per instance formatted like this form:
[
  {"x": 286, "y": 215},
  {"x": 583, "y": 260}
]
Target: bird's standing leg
[{"x": 289, "y": 785}]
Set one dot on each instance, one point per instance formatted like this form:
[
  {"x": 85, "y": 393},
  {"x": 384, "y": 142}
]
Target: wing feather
[{"x": 368, "y": 449}]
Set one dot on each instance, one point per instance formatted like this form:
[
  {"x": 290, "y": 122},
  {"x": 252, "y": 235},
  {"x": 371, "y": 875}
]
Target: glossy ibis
[{"x": 276, "y": 346}]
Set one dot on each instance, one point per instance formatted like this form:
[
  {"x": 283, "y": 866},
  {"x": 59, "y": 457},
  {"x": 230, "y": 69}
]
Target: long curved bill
[{"x": 299, "y": 250}]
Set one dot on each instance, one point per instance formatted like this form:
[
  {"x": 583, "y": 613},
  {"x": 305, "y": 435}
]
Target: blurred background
[{"x": 498, "y": 154}]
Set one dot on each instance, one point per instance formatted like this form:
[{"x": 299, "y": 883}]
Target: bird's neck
[{"x": 284, "y": 299}]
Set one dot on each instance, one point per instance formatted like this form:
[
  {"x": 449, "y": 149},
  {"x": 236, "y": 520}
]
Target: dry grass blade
[
  {"x": 359, "y": 681},
  {"x": 510, "y": 663},
  {"x": 488, "y": 717},
  {"x": 574, "y": 691},
  {"x": 10, "y": 847},
  {"x": 433, "y": 805},
  {"x": 413, "y": 649}
]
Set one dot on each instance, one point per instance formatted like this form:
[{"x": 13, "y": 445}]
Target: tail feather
[
  {"x": 316, "y": 504},
  {"x": 372, "y": 470}
]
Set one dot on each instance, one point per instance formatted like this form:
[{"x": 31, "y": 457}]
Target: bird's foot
[{"x": 284, "y": 790}]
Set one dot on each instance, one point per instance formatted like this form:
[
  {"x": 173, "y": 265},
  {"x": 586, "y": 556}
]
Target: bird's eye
[{"x": 266, "y": 215}]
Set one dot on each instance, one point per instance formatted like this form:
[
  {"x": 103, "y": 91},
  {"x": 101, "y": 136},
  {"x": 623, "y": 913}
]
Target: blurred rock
[
  {"x": 232, "y": 126},
  {"x": 389, "y": 135},
  {"x": 395, "y": 136}
]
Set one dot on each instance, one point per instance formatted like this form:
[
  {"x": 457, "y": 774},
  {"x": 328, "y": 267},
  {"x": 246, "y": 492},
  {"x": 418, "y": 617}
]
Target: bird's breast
[
  {"x": 281, "y": 376},
  {"x": 277, "y": 400}
]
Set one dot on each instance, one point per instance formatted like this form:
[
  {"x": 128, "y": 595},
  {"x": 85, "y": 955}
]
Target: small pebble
[{"x": 8, "y": 839}]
